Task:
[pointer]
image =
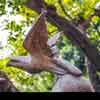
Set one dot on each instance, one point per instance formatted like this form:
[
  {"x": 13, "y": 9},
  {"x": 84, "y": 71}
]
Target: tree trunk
[{"x": 5, "y": 84}]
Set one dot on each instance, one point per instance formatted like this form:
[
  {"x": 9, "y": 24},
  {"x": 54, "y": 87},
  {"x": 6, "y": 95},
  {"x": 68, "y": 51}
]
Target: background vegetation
[{"x": 15, "y": 21}]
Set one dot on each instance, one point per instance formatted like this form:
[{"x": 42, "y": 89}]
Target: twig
[{"x": 63, "y": 9}]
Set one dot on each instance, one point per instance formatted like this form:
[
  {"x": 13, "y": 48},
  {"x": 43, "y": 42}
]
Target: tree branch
[{"x": 71, "y": 31}]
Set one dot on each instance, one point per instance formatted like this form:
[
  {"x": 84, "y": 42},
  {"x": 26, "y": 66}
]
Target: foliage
[{"x": 16, "y": 20}]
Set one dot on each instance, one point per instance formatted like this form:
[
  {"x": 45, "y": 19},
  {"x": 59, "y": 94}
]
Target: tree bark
[{"x": 94, "y": 78}]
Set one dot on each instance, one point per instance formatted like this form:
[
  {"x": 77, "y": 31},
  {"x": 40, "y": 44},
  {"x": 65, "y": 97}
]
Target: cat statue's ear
[
  {"x": 36, "y": 45},
  {"x": 37, "y": 37}
]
